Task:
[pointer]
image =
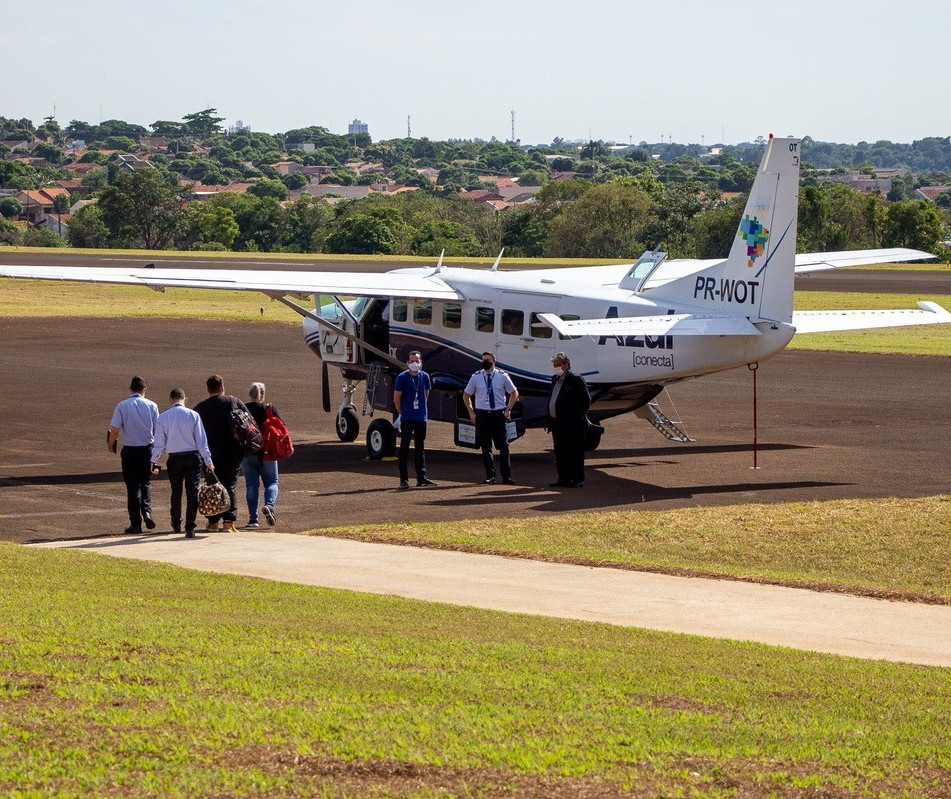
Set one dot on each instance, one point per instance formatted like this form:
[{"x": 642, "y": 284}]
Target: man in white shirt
[
  {"x": 180, "y": 432},
  {"x": 134, "y": 419},
  {"x": 489, "y": 397}
]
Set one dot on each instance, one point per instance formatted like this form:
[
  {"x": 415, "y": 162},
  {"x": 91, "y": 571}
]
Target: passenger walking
[
  {"x": 489, "y": 397},
  {"x": 411, "y": 400},
  {"x": 255, "y": 468},
  {"x": 179, "y": 432},
  {"x": 134, "y": 420},
  {"x": 215, "y": 413},
  {"x": 568, "y": 404}
]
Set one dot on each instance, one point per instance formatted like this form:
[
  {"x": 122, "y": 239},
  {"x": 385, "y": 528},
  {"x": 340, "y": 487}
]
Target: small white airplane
[{"x": 630, "y": 329}]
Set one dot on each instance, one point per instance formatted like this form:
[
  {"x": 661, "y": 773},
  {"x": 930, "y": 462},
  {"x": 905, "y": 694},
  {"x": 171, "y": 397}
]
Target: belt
[{"x": 182, "y": 454}]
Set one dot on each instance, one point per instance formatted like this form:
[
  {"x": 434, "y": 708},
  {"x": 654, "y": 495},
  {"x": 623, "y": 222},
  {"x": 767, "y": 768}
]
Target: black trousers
[
  {"x": 490, "y": 429},
  {"x": 568, "y": 441},
  {"x": 137, "y": 474},
  {"x": 415, "y": 431},
  {"x": 184, "y": 471}
]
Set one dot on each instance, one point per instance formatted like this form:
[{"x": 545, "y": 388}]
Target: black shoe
[
  {"x": 149, "y": 522},
  {"x": 176, "y": 528},
  {"x": 579, "y": 484},
  {"x": 425, "y": 483},
  {"x": 560, "y": 484},
  {"x": 133, "y": 530},
  {"x": 404, "y": 484},
  {"x": 269, "y": 516},
  {"x": 190, "y": 534},
  {"x": 489, "y": 481},
  {"x": 509, "y": 481}
]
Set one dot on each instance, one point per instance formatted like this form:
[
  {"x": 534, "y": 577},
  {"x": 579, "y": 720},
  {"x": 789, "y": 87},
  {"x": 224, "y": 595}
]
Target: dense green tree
[
  {"x": 86, "y": 228},
  {"x": 205, "y": 223},
  {"x": 9, "y": 233},
  {"x": 307, "y": 223},
  {"x": 364, "y": 234},
  {"x": 713, "y": 231},
  {"x": 140, "y": 209},
  {"x": 202, "y": 124},
  {"x": 913, "y": 223},
  {"x": 42, "y": 237},
  {"x": 269, "y": 188},
  {"x": 606, "y": 222},
  {"x": 10, "y": 207},
  {"x": 452, "y": 237}
]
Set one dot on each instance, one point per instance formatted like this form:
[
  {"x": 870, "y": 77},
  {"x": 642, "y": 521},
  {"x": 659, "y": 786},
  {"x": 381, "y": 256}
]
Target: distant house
[
  {"x": 931, "y": 193},
  {"x": 325, "y": 189},
  {"x": 38, "y": 203},
  {"x": 132, "y": 163}
]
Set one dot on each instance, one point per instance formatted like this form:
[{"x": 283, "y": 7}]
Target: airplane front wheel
[{"x": 348, "y": 425}]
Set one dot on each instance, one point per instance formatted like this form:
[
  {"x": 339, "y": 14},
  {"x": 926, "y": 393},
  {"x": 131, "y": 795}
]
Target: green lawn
[{"x": 119, "y": 678}]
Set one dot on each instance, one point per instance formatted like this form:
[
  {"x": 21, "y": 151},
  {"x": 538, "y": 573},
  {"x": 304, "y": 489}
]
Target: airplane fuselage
[{"x": 499, "y": 313}]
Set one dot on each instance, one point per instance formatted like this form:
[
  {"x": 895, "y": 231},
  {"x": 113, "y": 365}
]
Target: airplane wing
[
  {"x": 930, "y": 313},
  {"x": 674, "y": 324},
  {"x": 824, "y": 261},
  {"x": 270, "y": 282}
]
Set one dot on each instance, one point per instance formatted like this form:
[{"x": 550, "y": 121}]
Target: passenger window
[
  {"x": 423, "y": 312},
  {"x": 485, "y": 320},
  {"x": 399, "y": 310},
  {"x": 513, "y": 322},
  {"x": 537, "y": 328},
  {"x": 452, "y": 315},
  {"x": 568, "y": 317}
]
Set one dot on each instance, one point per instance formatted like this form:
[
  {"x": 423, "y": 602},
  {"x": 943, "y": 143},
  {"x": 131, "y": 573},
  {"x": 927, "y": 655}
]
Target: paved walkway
[{"x": 815, "y": 621}]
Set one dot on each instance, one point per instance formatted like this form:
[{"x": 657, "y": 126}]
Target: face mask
[
  {"x": 414, "y": 367},
  {"x": 557, "y": 370},
  {"x": 487, "y": 365}
]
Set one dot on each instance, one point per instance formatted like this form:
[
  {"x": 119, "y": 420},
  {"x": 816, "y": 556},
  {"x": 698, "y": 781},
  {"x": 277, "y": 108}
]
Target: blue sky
[{"x": 837, "y": 70}]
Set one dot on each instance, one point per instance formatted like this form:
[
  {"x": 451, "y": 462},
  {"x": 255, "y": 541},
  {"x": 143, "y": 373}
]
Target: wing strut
[{"x": 338, "y": 330}]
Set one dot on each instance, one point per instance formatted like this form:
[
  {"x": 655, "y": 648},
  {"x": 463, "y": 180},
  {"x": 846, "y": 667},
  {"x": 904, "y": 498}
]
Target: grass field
[
  {"x": 119, "y": 678},
  {"x": 39, "y": 298}
]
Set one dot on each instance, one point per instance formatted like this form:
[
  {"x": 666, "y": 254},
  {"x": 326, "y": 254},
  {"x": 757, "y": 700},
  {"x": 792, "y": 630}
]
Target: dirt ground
[{"x": 831, "y": 425}]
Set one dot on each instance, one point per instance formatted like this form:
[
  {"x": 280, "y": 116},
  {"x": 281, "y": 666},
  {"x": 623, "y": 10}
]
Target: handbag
[{"x": 213, "y": 497}]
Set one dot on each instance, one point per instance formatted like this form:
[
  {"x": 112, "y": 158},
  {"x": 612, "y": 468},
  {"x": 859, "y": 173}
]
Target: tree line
[{"x": 595, "y": 202}]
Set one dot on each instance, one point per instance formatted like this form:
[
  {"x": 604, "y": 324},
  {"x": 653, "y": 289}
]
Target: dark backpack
[
  {"x": 276, "y": 437},
  {"x": 244, "y": 430}
]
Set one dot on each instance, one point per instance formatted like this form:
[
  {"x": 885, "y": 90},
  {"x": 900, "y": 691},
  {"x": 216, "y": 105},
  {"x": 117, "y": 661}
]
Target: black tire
[
  {"x": 348, "y": 425},
  {"x": 381, "y": 439}
]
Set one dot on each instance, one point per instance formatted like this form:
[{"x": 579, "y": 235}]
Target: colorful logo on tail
[{"x": 755, "y": 236}]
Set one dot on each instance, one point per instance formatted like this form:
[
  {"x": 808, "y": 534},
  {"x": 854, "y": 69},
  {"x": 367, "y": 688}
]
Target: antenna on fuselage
[
  {"x": 439, "y": 265},
  {"x": 495, "y": 266}
]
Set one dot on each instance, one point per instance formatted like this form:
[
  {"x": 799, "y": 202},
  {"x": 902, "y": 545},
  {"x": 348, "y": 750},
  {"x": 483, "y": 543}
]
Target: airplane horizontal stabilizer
[
  {"x": 274, "y": 283},
  {"x": 824, "y": 261},
  {"x": 674, "y": 324},
  {"x": 930, "y": 313}
]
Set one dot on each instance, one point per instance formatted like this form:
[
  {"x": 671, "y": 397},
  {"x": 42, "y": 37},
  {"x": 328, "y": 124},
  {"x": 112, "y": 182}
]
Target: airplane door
[{"x": 519, "y": 331}]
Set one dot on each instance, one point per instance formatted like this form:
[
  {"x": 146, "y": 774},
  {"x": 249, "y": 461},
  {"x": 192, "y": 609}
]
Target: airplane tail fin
[{"x": 757, "y": 277}]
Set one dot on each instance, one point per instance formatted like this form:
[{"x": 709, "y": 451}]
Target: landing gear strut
[{"x": 348, "y": 424}]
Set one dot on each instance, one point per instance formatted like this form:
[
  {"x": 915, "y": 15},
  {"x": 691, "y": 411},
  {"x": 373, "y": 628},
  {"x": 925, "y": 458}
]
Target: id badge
[{"x": 415, "y": 405}]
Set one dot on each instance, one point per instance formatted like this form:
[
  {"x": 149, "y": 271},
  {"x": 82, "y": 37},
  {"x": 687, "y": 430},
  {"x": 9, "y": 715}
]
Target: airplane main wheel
[
  {"x": 348, "y": 425},
  {"x": 381, "y": 440}
]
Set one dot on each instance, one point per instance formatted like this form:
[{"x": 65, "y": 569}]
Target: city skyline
[{"x": 608, "y": 70}]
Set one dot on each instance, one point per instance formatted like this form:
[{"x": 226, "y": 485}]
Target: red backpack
[{"x": 277, "y": 438}]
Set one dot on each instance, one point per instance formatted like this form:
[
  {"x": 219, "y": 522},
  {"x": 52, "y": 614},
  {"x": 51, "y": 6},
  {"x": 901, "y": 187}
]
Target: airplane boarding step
[
  {"x": 373, "y": 375},
  {"x": 668, "y": 429}
]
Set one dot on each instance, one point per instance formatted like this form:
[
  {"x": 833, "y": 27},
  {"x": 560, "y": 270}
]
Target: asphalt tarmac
[{"x": 830, "y": 425}]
